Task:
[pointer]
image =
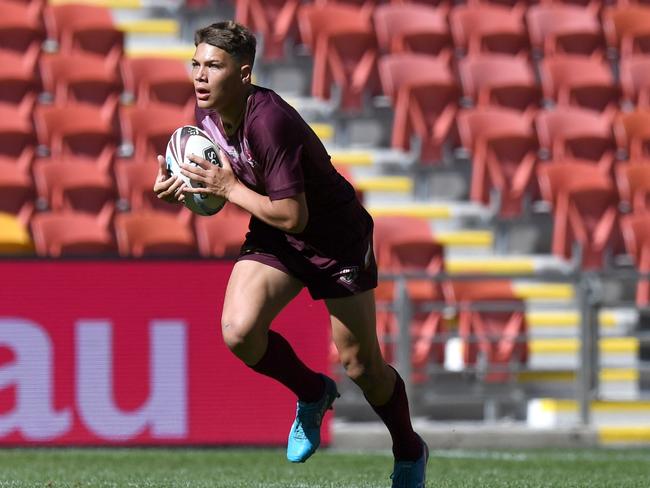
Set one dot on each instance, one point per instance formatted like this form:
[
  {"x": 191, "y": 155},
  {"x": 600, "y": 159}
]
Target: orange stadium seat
[
  {"x": 20, "y": 85},
  {"x": 636, "y": 233},
  {"x": 504, "y": 155},
  {"x": 488, "y": 28},
  {"x": 59, "y": 234},
  {"x": 274, "y": 21},
  {"x": 14, "y": 236},
  {"x": 425, "y": 96},
  {"x": 21, "y": 27},
  {"x": 413, "y": 28},
  {"x": 570, "y": 79},
  {"x": 84, "y": 27},
  {"x": 159, "y": 81},
  {"x": 499, "y": 79},
  {"x": 492, "y": 327},
  {"x": 344, "y": 48},
  {"x": 566, "y": 29},
  {"x": 151, "y": 233},
  {"x": 585, "y": 210},
  {"x": 635, "y": 79},
  {"x": 573, "y": 132},
  {"x": 632, "y": 132},
  {"x": 627, "y": 29},
  {"x": 222, "y": 235},
  {"x": 633, "y": 183},
  {"x": 77, "y": 132},
  {"x": 74, "y": 186}
]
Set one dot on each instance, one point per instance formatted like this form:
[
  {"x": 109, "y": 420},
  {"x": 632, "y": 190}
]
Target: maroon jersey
[{"x": 275, "y": 153}]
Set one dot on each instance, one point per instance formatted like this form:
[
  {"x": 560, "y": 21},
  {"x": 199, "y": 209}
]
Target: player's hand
[
  {"x": 168, "y": 187},
  {"x": 213, "y": 179}
]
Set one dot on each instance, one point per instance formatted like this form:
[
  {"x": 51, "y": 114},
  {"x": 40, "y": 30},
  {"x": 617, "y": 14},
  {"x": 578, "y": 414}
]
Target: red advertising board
[{"x": 130, "y": 352}]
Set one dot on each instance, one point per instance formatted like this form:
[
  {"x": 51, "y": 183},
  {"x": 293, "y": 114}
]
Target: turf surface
[{"x": 253, "y": 468}]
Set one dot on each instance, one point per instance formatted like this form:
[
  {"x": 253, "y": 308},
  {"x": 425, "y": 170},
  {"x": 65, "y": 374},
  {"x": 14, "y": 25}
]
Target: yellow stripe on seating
[
  {"x": 482, "y": 238},
  {"x": 606, "y": 375},
  {"x": 427, "y": 211},
  {"x": 184, "y": 53},
  {"x": 397, "y": 184},
  {"x": 357, "y": 158},
  {"x": 150, "y": 26},
  {"x": 490, "y": 265},
  {"x": 325, "y": 132},
  {"x": 14, "y": 237},
  {"x": 556, "y": 405},
  {"x": 622, "y": 435},
  {"x": 611, "y": 345},
  {"x": 549, "y": 291},
  {"x": 566, "y": 319},
  {"x": 116, "y": 4}
]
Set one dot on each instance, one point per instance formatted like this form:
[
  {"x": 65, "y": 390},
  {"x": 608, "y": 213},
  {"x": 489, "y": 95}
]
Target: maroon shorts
[{"x": 324, "y": 277}]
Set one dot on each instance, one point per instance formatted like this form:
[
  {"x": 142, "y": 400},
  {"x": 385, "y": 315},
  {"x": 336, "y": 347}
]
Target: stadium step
[
  {"x": 614, "y": 383},
  {"x": 557, "y": 353}
]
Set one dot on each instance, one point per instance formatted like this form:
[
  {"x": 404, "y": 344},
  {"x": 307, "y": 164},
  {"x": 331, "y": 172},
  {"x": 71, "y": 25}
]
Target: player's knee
[{"x": 236, "y": 338}]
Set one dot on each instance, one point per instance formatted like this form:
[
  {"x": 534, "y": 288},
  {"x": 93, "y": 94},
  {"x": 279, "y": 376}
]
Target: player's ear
[{"x": 246, "y": 73}]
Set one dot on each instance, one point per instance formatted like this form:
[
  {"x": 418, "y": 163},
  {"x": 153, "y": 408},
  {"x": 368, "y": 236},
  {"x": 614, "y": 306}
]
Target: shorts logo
[{"x": 348, "y": 275}]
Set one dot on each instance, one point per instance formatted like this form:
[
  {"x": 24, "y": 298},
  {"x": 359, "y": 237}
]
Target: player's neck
[{"x": 231, "y": 120}]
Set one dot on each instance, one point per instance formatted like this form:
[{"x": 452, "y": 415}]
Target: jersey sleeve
[{"x": 277, "y": 144}]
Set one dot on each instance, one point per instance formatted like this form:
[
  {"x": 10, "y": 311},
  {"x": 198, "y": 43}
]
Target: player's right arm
[{"x": 168, "y": 187}]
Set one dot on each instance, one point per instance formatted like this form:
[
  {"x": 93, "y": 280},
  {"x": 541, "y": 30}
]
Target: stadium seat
[
  {"x": 149, "y": 128},
  {"x": 412, "y": 28},
  {"x": 635, "y": 80},
  {"x": 17, "y": 138},
  {"x": 636, "y": 234},
  {"x": 570, "y": 79},
  {"x": 222, "y": 235},
  {"x": 84, "y": 27},
  {"x": 21, "y": 28},
  {"x": 627, "y": 29},
  {"x": 20, "y": 85},
  {"x": 585, "y": 210},
  {"x": 633, "y": 183},
  {"x": 632, "y": 132},
  {"x": 16, "y": 191},
  {"x": 425, "y": 96},
  {"x": 344, "y": 49},
  {"x": 151, "y": 233},
  {"x": 573, "y": 132},
  {"x": 274, "y": 21},
  {"x": 59, "y": 234},
  {"x": 14, "y": 236},
  {"x": 499, "y": 79},
  {"x": 77, "y": 132},
  {"x": 492, "y": 327},
  {"x": 504, "y": 156},
  {"x": 488, "y": 28},
  {"x": 160, "y": 81},
  {"x": 64, "y": 185},
  {"x": 81, "y": 78},
  {"x": 565, "y": 29}
]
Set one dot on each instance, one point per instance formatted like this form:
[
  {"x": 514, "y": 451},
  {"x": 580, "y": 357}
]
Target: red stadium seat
[
  {"x": 492, "y": 327},
  {"x": 387, "y": 229},
  {"x": 565, "y": 29},
  {"x": 627, "y": 29},
  {"x": 573, "y": 132},
  {"x": 150, "y": 233},
  {"x": 635, "y": 79},
  {"x": 20, "y": 85},
  {"x": 585, "y": 210},
  {"x": 59, "y": 234},
  {"x": 159, "y": 81},
  {"x": 499, "y": 79},
  {"x": 222, "y": 235},
  {"x": 569, "y": 79},
  {"x": 273, "y": 20},
  {"x": 344, "y": 48},
  {"x": 488, "y": 28},
  {"x": 17, "y": 138},
  {"x": 632, "y": 132},
  {"x": 504, "y": 156},
  {"x": 77, "y": 132},
  {"x": 84, "y": 27},
  {"x": 636, "y": 233},
  {"x": 425, "y": 96},
  {"x": 21, "y": 28},
  {"x": 412, "y": 28},
  {"x": 633, "y": 183},
  {"x": 16, "y": 191}
]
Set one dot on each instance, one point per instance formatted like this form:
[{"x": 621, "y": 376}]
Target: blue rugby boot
[
  {"x": 411, "y": 474},
  {"x": 304, "y": 437}
]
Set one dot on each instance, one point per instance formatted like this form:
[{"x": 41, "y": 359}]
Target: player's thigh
[
  {"x": 354, "y": 329},
  {"x": 255, "y": 294}
]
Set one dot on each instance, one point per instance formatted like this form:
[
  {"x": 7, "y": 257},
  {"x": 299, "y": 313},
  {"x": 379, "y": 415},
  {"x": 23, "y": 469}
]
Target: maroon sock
[
  {"x": 281, "y": 363},
  {"x": 407, "y": 445}
]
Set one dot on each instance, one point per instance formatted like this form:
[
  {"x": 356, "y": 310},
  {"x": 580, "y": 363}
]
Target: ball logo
[{"x": 211, "y": 155}]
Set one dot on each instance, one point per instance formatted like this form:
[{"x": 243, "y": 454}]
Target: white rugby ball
[{"x": 184, "y": 142}]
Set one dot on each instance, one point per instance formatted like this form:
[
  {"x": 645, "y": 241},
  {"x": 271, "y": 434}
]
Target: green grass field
[{"x": 252, "y": 468}]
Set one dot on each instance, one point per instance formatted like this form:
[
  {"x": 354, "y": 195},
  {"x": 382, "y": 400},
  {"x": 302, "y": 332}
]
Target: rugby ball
[{"x": 184, "y": 142}]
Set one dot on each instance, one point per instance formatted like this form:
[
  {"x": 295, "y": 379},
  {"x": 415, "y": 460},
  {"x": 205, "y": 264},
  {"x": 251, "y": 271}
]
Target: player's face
[{"x": 219, "y": 80}]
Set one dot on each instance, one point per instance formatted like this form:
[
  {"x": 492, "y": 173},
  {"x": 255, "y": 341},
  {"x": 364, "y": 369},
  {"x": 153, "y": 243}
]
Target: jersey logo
[
  {"x": 247, "y": 153},
  {"x": 348, "y": 275}
]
